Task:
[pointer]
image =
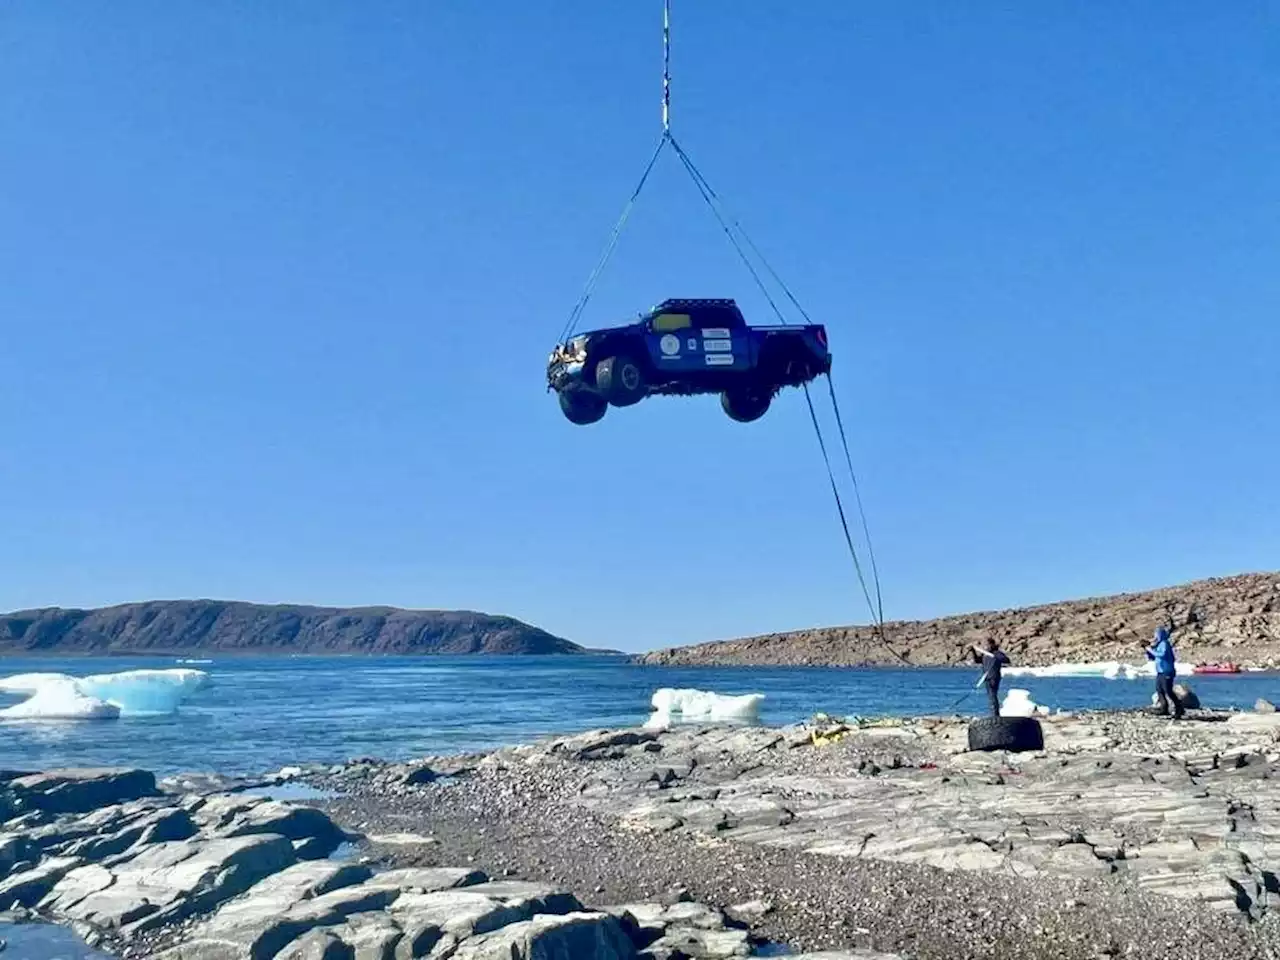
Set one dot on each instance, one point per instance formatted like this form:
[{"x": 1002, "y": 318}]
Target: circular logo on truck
[{"x": 669, "y": 345}]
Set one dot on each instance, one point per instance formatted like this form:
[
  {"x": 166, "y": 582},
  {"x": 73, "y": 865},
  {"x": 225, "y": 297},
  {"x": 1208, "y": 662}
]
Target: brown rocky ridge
[
  {"x": 185, "y": 626},
  {"x": 1234, "y": 618}
]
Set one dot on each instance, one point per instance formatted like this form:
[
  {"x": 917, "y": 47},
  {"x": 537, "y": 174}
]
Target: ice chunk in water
[
  {"x": 58, "y": 696},
  {"x": 1018, "y": 703},
  {"x": 701, "y": 705}
]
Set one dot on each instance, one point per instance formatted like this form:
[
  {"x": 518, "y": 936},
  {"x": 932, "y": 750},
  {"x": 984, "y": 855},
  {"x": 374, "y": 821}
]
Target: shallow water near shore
[
  {"x": 261, "y": 714},
  {"x": 44, "y": 941}
]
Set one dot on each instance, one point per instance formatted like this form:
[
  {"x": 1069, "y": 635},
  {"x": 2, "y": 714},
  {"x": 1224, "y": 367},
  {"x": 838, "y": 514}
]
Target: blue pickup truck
[{"x": 683, "y": 347}]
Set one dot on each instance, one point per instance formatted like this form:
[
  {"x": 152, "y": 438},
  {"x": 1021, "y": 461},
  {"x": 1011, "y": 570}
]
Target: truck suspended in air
[{"x": 684, "y": 347}]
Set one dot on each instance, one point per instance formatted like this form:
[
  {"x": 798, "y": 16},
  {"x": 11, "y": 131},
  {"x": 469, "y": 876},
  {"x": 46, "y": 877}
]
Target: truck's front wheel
[
  {"x": 620, "y": 380},
  {"x": 582, "y": 407},
  {"x": 746, "y": 404}
]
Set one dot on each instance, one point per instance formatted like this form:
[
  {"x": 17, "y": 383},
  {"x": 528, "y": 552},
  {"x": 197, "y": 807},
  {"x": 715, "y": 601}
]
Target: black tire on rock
[
  {"x": 1006, "y": 733},
  {"x": 582, "y": 406},
  {"x": 620, "y": 380},
  {"x": 746, "y": 404}
]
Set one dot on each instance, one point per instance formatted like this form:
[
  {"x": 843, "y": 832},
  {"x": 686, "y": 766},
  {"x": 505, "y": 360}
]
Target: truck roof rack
[{"x": 678, "y": 302}]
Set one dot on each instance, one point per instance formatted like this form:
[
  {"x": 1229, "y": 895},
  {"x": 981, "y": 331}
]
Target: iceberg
[
  {"x": 1107, "y": 669},
  {"x": 693, "y": 704},
  {"x": 103, "y": 696},
  {"x": 1018, "y": 703}
]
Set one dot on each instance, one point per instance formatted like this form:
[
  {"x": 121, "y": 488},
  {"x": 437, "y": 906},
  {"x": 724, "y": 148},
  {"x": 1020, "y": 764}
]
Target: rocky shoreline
[{"x": 1127, "y": 835}]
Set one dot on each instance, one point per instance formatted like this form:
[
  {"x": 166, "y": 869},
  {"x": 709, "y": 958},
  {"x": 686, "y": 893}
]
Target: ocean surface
[{"x": 257, "y": 715}]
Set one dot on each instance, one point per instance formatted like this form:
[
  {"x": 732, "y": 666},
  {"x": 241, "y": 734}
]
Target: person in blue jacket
[{"x": 1161, "y": 651}]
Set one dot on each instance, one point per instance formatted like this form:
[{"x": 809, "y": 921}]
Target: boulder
[
  {"x": 321, "y": 835},
  {"x": 1184, "y": 694},
  {"x": 318, "y": 944},
  {"x": 596, "y": 936},
  {"x": 416, "y": 776},
  {"x": 1264, "y": 706},
  {"x": 431, "y": 920},
  {"x": 371, "y": 936},
  {"x": 79, "y": 790},
  {"x": 750, "y": 912}
]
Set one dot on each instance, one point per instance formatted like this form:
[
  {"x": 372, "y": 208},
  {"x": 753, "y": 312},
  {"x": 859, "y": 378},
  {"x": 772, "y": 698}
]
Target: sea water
[{"x": 253, "y": 715}]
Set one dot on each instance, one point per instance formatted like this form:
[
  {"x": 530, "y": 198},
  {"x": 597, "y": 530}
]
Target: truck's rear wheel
[
  {"x": 582, "y": 406},
  {"x": 745, "y": 405},
  {"x": 620, "y": 380}
]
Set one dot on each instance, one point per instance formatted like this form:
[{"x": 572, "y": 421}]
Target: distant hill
[
  {"x": 212, "y": 626},
  {"x": 1228, "y": 618}
]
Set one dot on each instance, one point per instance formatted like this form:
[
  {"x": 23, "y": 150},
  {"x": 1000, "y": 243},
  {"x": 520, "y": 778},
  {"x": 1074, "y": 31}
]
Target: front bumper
[{"x": 566, "y": 367}]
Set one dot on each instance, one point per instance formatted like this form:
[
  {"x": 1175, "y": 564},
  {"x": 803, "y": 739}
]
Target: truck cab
[{"x": 682, "y": 336}]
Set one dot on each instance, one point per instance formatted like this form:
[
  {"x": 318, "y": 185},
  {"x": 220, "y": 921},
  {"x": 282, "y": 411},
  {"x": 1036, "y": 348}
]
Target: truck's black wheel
[
  {"x": 582, "y": 407},
  {"x": 747, "y": 404},
  {"x": 620, "y": 380},
  {"x": 1006, "y": 733}
]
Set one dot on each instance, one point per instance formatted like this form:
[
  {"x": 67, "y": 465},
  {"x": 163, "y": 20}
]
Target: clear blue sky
[{"x": 278, "y": 282}]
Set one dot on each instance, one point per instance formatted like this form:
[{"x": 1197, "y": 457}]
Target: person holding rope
[
  {"x": 993, "y": 661},
  {"x": 1162, "y": 652}
]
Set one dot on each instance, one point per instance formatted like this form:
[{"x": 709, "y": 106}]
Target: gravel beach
[{"x": 1127, "y": 836}]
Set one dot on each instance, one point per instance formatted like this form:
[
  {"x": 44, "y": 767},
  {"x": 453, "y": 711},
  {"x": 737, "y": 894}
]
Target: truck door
[
  {"x": 674, "y": 344},
  {"x": 723, "y": 343}
]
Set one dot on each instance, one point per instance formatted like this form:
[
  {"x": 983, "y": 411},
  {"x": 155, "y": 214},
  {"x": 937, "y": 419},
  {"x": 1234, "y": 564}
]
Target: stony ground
[
  {"x": 207, "y": 873},
  {"x": 1129, "y": 835}
]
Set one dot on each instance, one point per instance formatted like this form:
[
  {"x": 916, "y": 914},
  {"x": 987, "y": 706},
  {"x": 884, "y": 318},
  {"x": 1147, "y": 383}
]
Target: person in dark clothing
[
  {"x": 993, "y": 661},
  {"x": 1162, "y": 652}
]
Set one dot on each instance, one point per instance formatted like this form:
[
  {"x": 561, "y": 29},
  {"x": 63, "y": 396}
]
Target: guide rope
[
  {"x": 576, "y": 313},
  {"x": 742, "y": 243}
]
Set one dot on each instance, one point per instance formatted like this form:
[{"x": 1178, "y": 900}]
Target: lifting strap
[{"x": 734, "y": 230}]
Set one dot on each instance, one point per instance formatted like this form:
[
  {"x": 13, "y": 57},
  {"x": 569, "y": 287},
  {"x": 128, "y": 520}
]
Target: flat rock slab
[
  {"x": 249, "y": 934},
  {"x": 28, "y": 887},
  {"x": 79, "y": 790},
  {"x": 704, "y": 944},
  {"x": 451, "y": 916},
  {"x": 266, "y": 901},
  {"x": 573, "y": 936},
  {"x": 168, "y": 882},
  {"x": 432, "y": 879},
  {"x": 158, "y": 826}
]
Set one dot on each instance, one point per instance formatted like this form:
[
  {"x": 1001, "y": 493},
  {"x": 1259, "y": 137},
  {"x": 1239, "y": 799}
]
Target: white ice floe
[
  {"x": 1107, "y": 669},
  {"x": 1018, "y": 703},
  {"x": 58, "y": 696},
  {"x": 701, "y": 705}
]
